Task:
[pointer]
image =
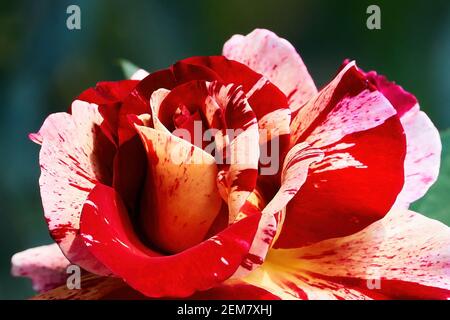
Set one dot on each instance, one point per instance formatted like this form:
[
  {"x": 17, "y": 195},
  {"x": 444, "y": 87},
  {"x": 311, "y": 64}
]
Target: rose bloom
[{"x": 148, "y": 212}]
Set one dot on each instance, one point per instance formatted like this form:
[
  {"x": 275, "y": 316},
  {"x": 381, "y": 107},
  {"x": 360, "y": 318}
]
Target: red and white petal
[
  {"x": 348, "y": 104},
  {"x": 45, "y": 266},
  {"x": 423, "y": 143},
  {"x": 294, "y": 173},
  {"x": 110, "y": 236},
  {"x": 275, "y": 58},
  {"x": 271, "y": 108},
  {"x": 70, "y": 167},
  {"x": 361, "y": 174},
  {"x": 404, "y": 255},
  {"x": 423, "y": 156},
  {"x": 180, "y": 199}
]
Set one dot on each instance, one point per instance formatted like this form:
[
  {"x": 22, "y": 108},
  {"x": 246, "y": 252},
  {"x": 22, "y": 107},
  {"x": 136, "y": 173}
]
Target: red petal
[{"x": 107, "y": 231}]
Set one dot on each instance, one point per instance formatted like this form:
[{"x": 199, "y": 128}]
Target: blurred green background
[{"x": 43, "y": 66}]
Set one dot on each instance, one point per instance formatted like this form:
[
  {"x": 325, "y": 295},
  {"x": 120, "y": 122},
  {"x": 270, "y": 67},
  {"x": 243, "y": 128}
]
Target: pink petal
[
  {"x": 361, "y": 173},
  {"x": 45, "y": 266},
  {"x": 71, "y": 163},
  {"x": 423, "y": 156},
  {"x": 275, "y": 58},
  {"x": 110, "y": 236}
]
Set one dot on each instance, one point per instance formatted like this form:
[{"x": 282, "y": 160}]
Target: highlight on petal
[
  {"x": 275, "y": 58},
  {"x": 361, "y": 174},
  {"x": 110, "y": 236},
  {"x": 139, "y": 74},
  {"x": 45, "y": 266},
  {"x": 403, "y": 256},
  {"x": 72, "y": 162}
]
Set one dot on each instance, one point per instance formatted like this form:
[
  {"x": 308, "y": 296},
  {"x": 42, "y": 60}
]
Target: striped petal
[
  {"x": 45, "y": 266},
  {"x": 403, "y": 256},
  {"x": 72, "y": 161},
  {"x": 361, "y": 173},
  {"x": 275, "y": 58}
]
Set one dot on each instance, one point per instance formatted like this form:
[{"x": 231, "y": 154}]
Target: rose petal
[
  {"x": 234, "y": 290},
  {"x": 403, "y": 256},
  {"x": 402, "y": 100},
  {"x": 224, "y": 108},
  {"x": 275, "y": 58},
  {"x": 423, "y": 142},
  {"x": 108, "y": 96},
  {"x": 423, "y": 156},
  {"x": 180, "y": 199},
  {"x": 93, "y": 288},
  {"x": 45, "y": 266},
  {"x": 295, "y": 170},
  {"x": 422, "y": 159},
  {"x": 71, "y": 163},
  {"x": 361, "y": 174},
  {"x": 108, "y": 288},
  {"x": 109, "y": 235}
]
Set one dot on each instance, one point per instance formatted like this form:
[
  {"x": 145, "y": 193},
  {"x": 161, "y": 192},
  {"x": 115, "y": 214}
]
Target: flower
[{"x": 233, "y": 177}]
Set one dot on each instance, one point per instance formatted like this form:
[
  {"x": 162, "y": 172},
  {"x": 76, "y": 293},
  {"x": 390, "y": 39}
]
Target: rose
[{"x": 128, "y": 195}]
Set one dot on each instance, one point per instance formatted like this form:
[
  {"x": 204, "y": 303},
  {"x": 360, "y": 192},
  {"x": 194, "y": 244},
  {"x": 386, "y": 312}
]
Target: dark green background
[{"x": 43, "y": 66}]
